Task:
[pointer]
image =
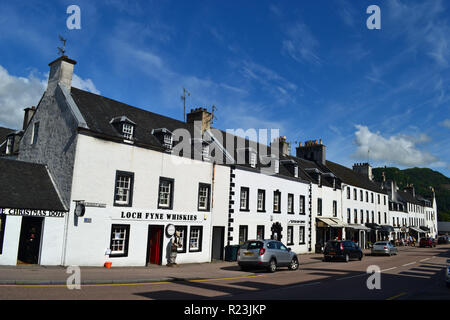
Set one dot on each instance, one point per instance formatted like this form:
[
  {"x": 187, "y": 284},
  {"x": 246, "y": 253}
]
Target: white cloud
[
  {"x": 301, "y": 44},
  {"x": 445, "y": 123},
  {"x": 18, "y": 93},
  {"x": 397, "y": 149}
]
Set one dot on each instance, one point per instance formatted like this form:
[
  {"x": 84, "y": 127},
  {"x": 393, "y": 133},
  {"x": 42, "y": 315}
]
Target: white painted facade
[
  {"x": 95, "y": 168},
  {"x": 251, "y": 218}
]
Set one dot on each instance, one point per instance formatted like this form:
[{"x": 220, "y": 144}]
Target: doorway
[
  {"x": 30, "y": 240},
  {"x": 155, "y": 244},
  {"x": 218, "y": 243}
]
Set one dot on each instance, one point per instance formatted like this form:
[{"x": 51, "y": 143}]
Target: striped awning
[{"x": 330, "y": 222}]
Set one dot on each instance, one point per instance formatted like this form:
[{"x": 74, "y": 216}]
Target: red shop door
[{"x": 155, "y": 234}]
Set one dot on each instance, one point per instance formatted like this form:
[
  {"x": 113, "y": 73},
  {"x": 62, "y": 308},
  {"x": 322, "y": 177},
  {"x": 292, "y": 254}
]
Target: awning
[
  {"x": 387, "y": 228},
  {"x": 426, "y": 229},
  {"x": 330, "y": 222},
  {"x": 416, "y": 230},
  {"x": 373, "y": 226},
  {"x": 357, "y": 227}
]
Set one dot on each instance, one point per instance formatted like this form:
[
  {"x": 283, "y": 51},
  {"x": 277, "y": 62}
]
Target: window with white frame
[
  {"x": 203, "y": 197},
  {"x": 165, "y": 197},
  {"x": 290, "y": 235},
  {"x": 302, "y": 205},
  {"x": 301, "y": 235},
  {"x": 290, "y": 203},
  {"x": 168, "y": 140},
  {"x": 35, "y": 133},
  {"x": 296, "y": 171},
  {"x": 123, "y": 188},
  {"x": 261, "y": 200},
  {"x": 244, "y": 200},
  {"x": 252, "y": 159},
  {"x": 127, "y": 131},
  {"x": 195, "y": 239},
  {"x": 120, "y": 234},
  {"x": 276, "y": 201},
  {"x": 183, "y": 235},
  {"x": 9, "y": 145}
]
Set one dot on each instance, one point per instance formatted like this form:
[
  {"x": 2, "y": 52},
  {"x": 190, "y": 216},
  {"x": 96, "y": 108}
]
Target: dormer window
[
  {"x": 125, "y": 127},
  {"x": 296, "y": 171},
  {"x": 165, "y": 137},
  {"x": 127, "y": 131},
  {"x": 205, "y": 151}
]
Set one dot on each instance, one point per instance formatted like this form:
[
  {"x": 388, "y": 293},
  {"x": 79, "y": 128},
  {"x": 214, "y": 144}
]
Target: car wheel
[
  {"x": 294, "y": 264},
  {"x": 347, "y": 258},
  {"x": 245, "y": 268},
  {"x": 360, "y": 257},
  {"x": 272, "y": 265},
  {"x": 326, "y": 259}
]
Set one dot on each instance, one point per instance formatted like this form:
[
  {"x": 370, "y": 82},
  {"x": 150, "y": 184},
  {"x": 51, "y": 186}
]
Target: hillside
[{"x": 422, "y": 178}]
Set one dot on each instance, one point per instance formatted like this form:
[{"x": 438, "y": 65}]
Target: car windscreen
[
  {"x": 252, "y": 245},
  {"x": 380, "y": 244},
  {"x": 333, "y": 245}
]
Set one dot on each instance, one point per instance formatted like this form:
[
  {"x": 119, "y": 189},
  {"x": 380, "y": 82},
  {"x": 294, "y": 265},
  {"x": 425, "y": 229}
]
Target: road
[{"x": 416, "y": 273}]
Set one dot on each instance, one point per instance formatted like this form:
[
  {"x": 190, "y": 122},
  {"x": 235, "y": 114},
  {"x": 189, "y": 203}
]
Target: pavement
[{"x": 54, "y": 275}]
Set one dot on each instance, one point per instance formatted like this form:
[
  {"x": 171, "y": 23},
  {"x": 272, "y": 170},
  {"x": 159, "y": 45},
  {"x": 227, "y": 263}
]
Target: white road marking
[
  {"x": 359, "y": 275},
  {"x": 408, "y": 264},
  {"x": 388, "y": 269},
  {"x": 425, "y": 259}
]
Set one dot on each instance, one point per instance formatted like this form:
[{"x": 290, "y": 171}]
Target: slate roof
[
  {"x": 27, "y": 185},
  {"x": 350, "y": 177},
  {"x": 4, "y": 133}
]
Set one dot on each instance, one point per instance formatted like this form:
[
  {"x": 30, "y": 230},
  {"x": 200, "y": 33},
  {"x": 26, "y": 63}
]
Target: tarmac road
[{"x": 415, "y": 273}]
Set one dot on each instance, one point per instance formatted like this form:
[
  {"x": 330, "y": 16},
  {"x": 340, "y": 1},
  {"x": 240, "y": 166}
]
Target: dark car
[
  {"x": 342, "y": 250},
  {"x": 443, "y": 240},
  {"x": 427, "y": 242}
]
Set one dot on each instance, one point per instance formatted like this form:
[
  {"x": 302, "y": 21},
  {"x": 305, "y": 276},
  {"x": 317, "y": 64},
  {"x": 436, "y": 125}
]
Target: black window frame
[
  {"x": 290, "y": 242},
  {"x": 185, "y": 229},
  {"x": 335, "y": 209},
  {"x": 276, "y": 192},
  {"x": 259, "y": 227},
  {"x": 127, "y": 240},
  {"x": 302, "y": 206},
  {"x": 130, "y": 201},
  {"x": 172, "y": 192},
  {"x": 243, "y": 227},
  {"x": 355, "y": 194},
  {"x": 35, "y": 132},
  {"x": 247, "y": 202},
  {"x": 290, "y": 195},
  {"x": 264, "y": 200},
  {"x": 304, "y": 235},
  {"x": 200, "y": 240},
  {"x": 208, "y": 206},
  {"x": 319, "y": 206},
  {"x": 348, "y": 193},
  {"x": 2, "y": 230},
  {"x": 361, "y": 195}
]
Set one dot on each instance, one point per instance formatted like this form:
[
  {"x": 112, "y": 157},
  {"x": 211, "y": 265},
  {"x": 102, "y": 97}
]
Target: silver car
[
  {"x": 384, "y": 247},
  {"x": 268, "y": 254}
]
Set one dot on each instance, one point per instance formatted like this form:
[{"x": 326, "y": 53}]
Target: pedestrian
[{"x": 175, "y": 244}]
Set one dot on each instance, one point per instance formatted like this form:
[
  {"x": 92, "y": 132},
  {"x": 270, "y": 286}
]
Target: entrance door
[
  {"x": 217, "y": 243},
  {"x": 155, "y": 243},
  {"x": 30, "y": 240}
]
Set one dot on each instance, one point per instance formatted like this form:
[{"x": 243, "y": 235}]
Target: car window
[
  {"x": 348, "y": 244},
  {"x": 271, "y": 245},
  {"x": 283, "y": 247},
  {"x": 252, "y": 245}
]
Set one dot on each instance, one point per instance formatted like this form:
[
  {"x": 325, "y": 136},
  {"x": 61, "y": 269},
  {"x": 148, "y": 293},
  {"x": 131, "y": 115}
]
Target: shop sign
[
  {"x": 158, "y": 216},
  {"x": 296, "y": 222},
  {"x": 32, "y": 213}
]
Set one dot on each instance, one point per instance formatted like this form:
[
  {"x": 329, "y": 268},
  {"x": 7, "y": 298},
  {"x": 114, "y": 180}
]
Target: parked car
[
  {"x": 384, "y": 247},
  {"x": 342, "y": 250},
  {"x": 443, "y": 240},
  {"x": 269, "y": 254},
  {"x": 427, "y": 242}
]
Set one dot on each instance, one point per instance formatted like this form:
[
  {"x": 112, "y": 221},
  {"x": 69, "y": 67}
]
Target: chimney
[
  {"x": 29, "y": 112},
  {"x": 363, "y": 168},
  {"x": 312, "y": 151},
  {"x": 410, "y": 189},
  {"x": 61, "y": 72},
  {"x": 283, "y": 146},
  {"x": 200, "y": 115}
]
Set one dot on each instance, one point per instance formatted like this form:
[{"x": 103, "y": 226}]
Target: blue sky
[{"x": 311, "y": 69}]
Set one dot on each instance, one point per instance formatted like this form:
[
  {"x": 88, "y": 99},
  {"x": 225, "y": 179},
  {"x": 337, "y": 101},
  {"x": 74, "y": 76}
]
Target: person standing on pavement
[{"x": 175, "y": 244}]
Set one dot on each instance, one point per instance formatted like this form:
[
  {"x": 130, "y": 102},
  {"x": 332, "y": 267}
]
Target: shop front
[
  {"x": 374, "y": 234},
  {"x": 357, "y": 233},
  {"x": 386, "y": 232},
  {"x": 328, "y": 229},
  {"x": 416, "y": 233}
]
